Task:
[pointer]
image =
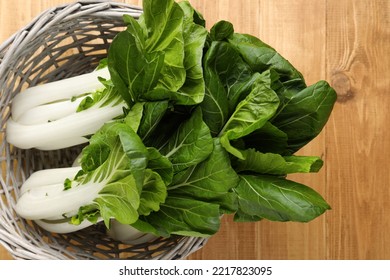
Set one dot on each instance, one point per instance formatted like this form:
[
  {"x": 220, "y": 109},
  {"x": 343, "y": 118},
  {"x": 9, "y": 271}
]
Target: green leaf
[
  {"x": 134, "y": 116},
  {"x": 278, "y": 199},
  {"x": 87, "y": 212},
  {"x": 190, "y": 88},
  {"x": 251, "y": 113},
  {"x": 228, "y": 80},
  {"x": 153, "y": 112},
  {"x": 160, "y": 164},
  {"x": 116, "y": 160},
  {"x": 211, "y": 180},
  {"x": 194, "y": 36},
  {"x": 108, "y": 95},
  {"x": 261, "y": 57},
  {"x": 136, "y": 152},
  {"x": 94, "y": 155},
  {"x": 163, "y": 23},
  {"x": 182, "y": 216},
  {"x": 102, "y": 64},
  {"x": 154, "y": 192},
  {"x": 215, "y": 107},
  {"x": 166, "y": 127},
  {"x": 267, "y": 139},
  {"x": 275, "y": 164},
  {"x": 119, "y": 200},
  {"x": 242, "y": 217},
  {"x": 133, "y": 69},
  {"x": 190, "y": 144},
  {"x": 221, "y": 30},
  {"x": 303, "y": 115},
  {"x": 192, "y": 15}
]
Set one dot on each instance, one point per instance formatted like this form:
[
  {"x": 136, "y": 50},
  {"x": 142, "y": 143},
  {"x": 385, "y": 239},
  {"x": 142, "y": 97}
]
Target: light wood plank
[{"x": 358, "y": 146}]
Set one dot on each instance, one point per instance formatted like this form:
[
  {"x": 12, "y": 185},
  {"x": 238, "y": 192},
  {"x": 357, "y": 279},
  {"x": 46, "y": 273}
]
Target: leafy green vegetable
[
  {"x": 221, "y": 30},
  {"x": 211, "y": 125}
]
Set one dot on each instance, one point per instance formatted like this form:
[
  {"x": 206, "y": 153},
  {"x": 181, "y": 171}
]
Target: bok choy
[{"x": 202, "y": 124}]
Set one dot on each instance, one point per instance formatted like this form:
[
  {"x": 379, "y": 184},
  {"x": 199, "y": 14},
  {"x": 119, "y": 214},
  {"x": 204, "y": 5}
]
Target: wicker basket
[{"x": 62, "y": 42}]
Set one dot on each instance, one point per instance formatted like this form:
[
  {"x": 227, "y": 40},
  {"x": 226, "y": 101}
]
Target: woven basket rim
[{"x": 21, "y": 244}]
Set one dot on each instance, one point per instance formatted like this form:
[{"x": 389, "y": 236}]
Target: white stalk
[
  {"x": 59, "y": 90},
  {"x": 48, "y": 112},
  {"x": 51, "y": 201},
  {"x": 62, "y": 144},
  {"x": 60, "y": 132},
  {"x": 48, "y": 177}
]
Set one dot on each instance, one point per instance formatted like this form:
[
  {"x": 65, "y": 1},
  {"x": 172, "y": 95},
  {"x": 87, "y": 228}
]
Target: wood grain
[
  {"x": 348, "y": 44},
  {"x": 358, "y": 146}
]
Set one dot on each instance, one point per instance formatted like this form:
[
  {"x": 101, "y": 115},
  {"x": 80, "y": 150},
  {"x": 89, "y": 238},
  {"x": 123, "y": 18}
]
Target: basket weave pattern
[{"x": 62, "y": 42}]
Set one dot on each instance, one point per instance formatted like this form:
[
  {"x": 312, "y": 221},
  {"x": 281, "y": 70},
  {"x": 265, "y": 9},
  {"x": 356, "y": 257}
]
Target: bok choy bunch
[{"x": 207, "y": 123}]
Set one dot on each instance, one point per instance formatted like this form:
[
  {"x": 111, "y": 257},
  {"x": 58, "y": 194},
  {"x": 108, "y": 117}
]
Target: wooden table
[{"x": 346, "y": 42}]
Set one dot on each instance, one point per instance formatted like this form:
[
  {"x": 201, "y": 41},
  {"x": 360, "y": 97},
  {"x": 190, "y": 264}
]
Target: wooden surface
[{"x": 346, "y": 42}]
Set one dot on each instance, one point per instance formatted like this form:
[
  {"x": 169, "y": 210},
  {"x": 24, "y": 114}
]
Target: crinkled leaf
[
  {"x": 211, "y": 180},
  {"x": 190, "y": 144},
  {"x": 304, "y": 114},
  {"x": 114, "y": 152},
  {"x": 251, "y": 113},
  {"x": 160, "y": 164},
  {"x": 87, "y": 212},
  {"x": 221, "y": 30},
  {"x": 192, "y": 14},
  {"x": 228, "y": 80},
  {"x": 194, "y": 36},
  {"x": 192, "y": 87},
  {"x": 94, "y": 155},
  {"x": 133, "y": 69},
  {"x": 163, "y": 22},
  {"x": 154, "y": 192},
  {"x": 261, "y": 57}
]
